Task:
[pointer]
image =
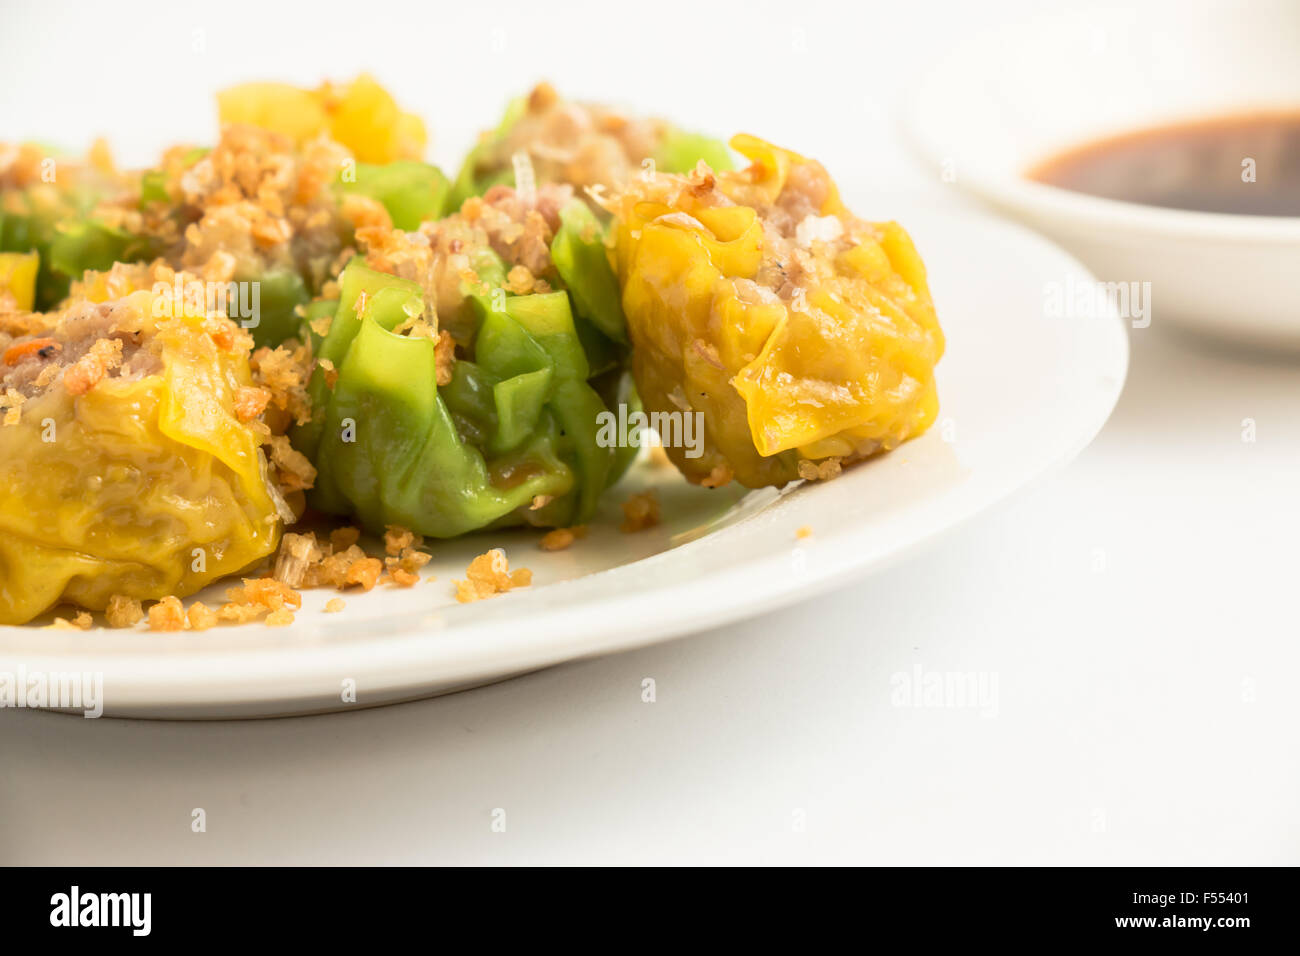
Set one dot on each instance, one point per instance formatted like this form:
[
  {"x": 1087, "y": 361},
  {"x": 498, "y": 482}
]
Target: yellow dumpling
[
  {"x": 361, "y": 115},
  {"x": 125, "y": 465},
  {"x": 803, "y": 336}
]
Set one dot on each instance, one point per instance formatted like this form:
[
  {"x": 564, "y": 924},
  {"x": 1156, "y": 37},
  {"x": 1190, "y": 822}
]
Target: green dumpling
[
  {"x": 510, "y": 438},
  {"x": 580, "y": 144}
]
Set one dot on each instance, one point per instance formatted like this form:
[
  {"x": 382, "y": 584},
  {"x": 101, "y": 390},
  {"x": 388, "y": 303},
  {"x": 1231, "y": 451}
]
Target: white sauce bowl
[{"x": 1006, "y": 101}]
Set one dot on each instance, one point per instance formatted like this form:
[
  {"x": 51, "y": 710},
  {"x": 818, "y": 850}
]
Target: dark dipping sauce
[{"x": 1202, "y": 166}]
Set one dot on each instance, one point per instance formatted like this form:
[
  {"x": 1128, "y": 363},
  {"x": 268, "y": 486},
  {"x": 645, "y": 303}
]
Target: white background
[{"x": 1137, "y": 611}]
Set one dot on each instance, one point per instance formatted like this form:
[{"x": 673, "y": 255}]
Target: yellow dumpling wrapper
[
  {"x": 802, "y": 335},
  {"x": 144, "y": 485},
  {"x": 361, "y": 115}
]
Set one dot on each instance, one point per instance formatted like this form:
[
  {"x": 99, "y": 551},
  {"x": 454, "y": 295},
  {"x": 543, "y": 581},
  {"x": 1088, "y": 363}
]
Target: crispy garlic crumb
[
  {"x": 397, "y": 539},
  {"x": 90, "y": 369},
  {"x": 488, "y": 575},
  {"x": 823, "y": 470},
  {"x": 258, "y": 596},
  {"x": 365, "y": 572},
  {"x": 404, "y": 568},
  {"x": 250, "y": 401},
  {"x": 284, "y": 372},
  {"x": 403, "y": 579},
  {"x": 804, "y": 532},
  {"x": 558, "y": 539},
  {"x": 200, "y": 617},
  {"x": 81, "y": 622},
  {"x": 167, "y": 615},
  {"x": 303, "y": 561},
  {"x": 10, "y": 402},
  {"x": 333, "y": 570},
  {"x": 341, "y": 563},
  {"x": 123, "y": 611},
  {"x": 264, "y": 592},
  {"x": 640, "y": 511},
  {"x": 293, "y": 471},
  {"x": 519, "y": 280}
]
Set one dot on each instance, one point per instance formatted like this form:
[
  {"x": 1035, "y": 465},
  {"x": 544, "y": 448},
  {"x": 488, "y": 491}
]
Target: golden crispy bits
[
  {"x": 403, "y": 578},
  {"x": 247, "y": 197},
  {"x": 303, "y": 560},
  {"x": 397, "y": 539},
  {"x": 332, "y": 572},
  {"x": 240, "y": 613},
  {"x": 365, "y": 213},
  {"x": 293, "y": 470},
  {"x": 416, "y": 326},
  {"x": 123, "y": 611},
  {"x": 558, "y": 539},
  {"x": 271, "y": 231},
  {"x": 220, "y": 268},
  {"x": 640, "y": 511},
  {"x": 10, "y": 402},
  {"x": 81, "y": 622},
  {"x": 404, "y": 568},
  {"x": 489, "y": 574},
  {"x": 365, "y": 572},
  {"x": 167, "y": 615},
  {"x": 264, "y": 592},
  {"x": 18, "y": 324},
  {"x": 285, "y": 372},
  {"x": 804, "y": 532},
  {"x": 48, "y": 374},
  {"x": 258, "y": 596},
  {"x": 85, "y": 373},
  {"x": 200, "y": 617},
  {"x": 410, "y": 559},
  {"x": 226, "y": 335},
  {"x": 250, "y": 402},
  {"x": 543, "y": 96},
  {"x": 322, "y": 324},
  {"x": 519, "y": 280}
]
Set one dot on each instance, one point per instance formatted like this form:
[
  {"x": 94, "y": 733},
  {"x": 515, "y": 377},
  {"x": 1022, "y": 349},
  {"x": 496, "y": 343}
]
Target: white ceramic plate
[
  {"x": 1004, "y": 102},
  {"x": 1020, "y": 393}
]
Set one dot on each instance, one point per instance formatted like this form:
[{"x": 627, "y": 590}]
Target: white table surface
[{"x": 1136, "y": 611}]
